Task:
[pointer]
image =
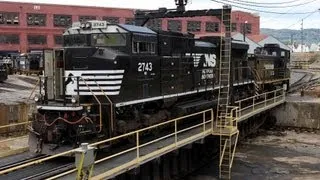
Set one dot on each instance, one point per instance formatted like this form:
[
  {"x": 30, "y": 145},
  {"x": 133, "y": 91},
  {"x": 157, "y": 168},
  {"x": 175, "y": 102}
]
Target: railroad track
[
  {"x": 51, "y": 172},
  {"x": 14, "y": 164},
  {"x": 305, "y": 81},
  {"x": 38, "y": 171}
]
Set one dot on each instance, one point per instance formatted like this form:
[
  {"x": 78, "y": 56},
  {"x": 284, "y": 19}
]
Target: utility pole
[{"x": 302, "y": 35}]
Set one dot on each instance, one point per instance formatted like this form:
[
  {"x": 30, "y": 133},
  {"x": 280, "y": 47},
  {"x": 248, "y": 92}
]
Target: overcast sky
[{"x": 275, "y": 21}]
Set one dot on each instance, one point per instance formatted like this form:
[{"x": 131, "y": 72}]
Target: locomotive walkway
[{"x": 179, "y": 135}]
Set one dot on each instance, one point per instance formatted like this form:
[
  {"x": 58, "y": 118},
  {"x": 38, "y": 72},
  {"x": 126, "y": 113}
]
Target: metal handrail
[
  {"x": 234, "y": 150},
  {"x": 100, "y": 107},
  {"x": 223, "y": 151},
  {"x": 111, "y": 105},
  {"x": 34, "y": 89},
  {"x": 16, "y": 124}
]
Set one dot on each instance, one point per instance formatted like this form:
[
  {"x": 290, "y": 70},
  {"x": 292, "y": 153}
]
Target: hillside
[{"x": 310, "y": 35}]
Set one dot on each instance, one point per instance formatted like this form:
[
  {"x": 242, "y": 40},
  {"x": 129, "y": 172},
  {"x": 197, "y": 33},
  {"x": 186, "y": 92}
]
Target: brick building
[{"x": 28, "y": 26}]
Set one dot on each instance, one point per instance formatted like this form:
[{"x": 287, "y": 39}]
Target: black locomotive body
[
  {"x": 3, "y": 72},
  {"x": 110, "y": 79},
  {"x": 29, "y": 63}
]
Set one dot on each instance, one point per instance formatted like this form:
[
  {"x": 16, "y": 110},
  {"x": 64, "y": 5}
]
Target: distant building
[
  {"x": 263, "y": 39},
  {"x": 29, "y": 26},
  {"x": 315, "y": 47},
  {"x": 300, "y": 48}
]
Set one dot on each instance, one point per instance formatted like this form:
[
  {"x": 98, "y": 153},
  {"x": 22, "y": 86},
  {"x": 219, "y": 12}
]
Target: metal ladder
[{"x": 226, "y": 123}]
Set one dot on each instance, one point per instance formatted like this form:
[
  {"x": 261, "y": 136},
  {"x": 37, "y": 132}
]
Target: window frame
[
  {"x": 85, "y": 18},
  {"x": 108, "y": 34},
  {"x": 179, "y": 25},
  {"x": 214, "y": 25},
  {"x": 35, "y": 35},
  {"x": 11, "y": 37},
  {"x": 151, "y": 47},
  {"x": 68, "y": 20},
  {"x": 35, "y": 16},
  {"x": 111, "y": 19},
  {"x": 196, "y": 29},
  {"x": 13, "y": 17}
]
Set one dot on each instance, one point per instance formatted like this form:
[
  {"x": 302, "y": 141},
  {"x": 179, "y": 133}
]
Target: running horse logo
[{"x": 70, "y": 79}]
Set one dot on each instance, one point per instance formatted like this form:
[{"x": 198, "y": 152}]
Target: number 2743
[{"x": 144, "y": 66}]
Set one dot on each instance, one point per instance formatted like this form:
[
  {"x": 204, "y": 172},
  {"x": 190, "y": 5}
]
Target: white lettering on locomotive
[{"x": 144, "y": 66}]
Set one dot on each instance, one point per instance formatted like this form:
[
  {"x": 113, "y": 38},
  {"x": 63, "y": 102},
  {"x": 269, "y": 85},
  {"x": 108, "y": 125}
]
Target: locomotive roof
[
  {"x": 204, "y": 44},
  {"x": 136, "y": 29}
]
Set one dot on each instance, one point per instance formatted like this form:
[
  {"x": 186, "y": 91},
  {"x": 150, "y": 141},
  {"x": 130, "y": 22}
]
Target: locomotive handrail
[
  {"x": 34, "y": 89},
  {"x": 100, "y": 108},
  {"x": 111, "y": 104}
]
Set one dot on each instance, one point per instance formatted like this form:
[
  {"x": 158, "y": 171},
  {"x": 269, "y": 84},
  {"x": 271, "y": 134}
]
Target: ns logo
[{"x": 207, "y": 60}]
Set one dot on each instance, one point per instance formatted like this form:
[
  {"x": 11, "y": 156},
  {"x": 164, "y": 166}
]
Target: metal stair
[{"x": 226, "y": 121}]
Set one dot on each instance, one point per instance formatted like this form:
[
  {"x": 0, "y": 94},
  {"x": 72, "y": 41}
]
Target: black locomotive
[{"x": 110, "y": 79}]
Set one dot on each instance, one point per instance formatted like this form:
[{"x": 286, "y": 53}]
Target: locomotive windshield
[
  {"x": 76, "y": 40},
  {"x": 108, "y": 39}
]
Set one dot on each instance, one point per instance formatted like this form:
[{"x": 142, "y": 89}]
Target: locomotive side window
[
  {"x": 108, "y": 40},
  {"x": 144, "y": 47}
]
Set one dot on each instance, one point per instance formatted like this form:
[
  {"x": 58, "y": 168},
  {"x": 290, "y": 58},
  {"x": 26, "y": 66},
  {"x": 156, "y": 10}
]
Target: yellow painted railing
[
  {"x": 259, "y": 101},
  {"x": 203, "y": 129}
]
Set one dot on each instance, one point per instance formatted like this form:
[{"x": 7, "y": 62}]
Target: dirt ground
[
  {"x": 274, "y": 155},
  {"x": 16, "y": 89}
]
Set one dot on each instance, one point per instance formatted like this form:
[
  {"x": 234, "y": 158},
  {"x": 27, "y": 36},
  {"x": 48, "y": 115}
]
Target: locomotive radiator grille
[{"x": 96, "y": 81}]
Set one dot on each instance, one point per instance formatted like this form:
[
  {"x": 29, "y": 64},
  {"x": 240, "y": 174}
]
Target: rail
[
  {"x": 260, "y": 101},
  {"x": 178, "y": 143},
  {"x": 178, "y": 136}
]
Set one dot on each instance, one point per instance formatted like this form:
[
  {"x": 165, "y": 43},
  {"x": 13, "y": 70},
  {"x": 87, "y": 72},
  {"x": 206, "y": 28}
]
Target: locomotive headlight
[
  {"x": 88, "y": 25},
  {"x": 36, "y": 98},
  {"x": 73, "y": 100}
]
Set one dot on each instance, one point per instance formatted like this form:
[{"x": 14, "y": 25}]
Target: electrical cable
[
  {"x": 286, "y": 6},
  {"x": 286, "y": 2},
  {"x": 261, "y": 11}
]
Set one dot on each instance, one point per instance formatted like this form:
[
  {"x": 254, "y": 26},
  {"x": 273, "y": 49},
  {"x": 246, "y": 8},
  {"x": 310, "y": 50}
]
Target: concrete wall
[{"x": 298, "y": 114}]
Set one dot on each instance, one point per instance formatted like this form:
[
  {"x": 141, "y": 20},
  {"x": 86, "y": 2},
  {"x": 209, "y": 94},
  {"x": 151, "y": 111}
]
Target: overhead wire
[
  {"x": 270, "y": 3},
  {"x": 301, "y": 20},
  {"x": 264, "y": 6},
  {"x": 261, "y": 11}
]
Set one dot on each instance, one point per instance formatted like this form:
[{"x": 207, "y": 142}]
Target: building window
[
  {"x": 86, "y": 18},
  {"x": 112, "y": 20},
  {"x": 194, "y": 26},
  {"x": 60, "y": 20},
  {"x": 248, "y": 28},
  {"x": 174, "y": 25},
  {"x": 37, "y": 39},
  {"x": 212, "y": 27},
  {"x": 36, "y": 19},
  {"x": 155, "y": 24},
  {"x": 234, "y": 27},
  {"x": 9, "y": 39},
  {"x": 130, "y": 21},
  {"x": 58, "y": 39},
  {"x": 9, "y": 18}
]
